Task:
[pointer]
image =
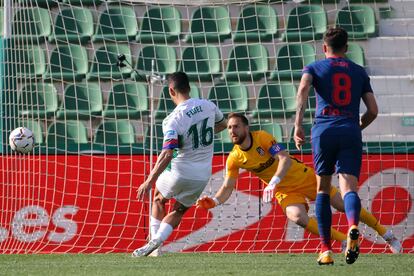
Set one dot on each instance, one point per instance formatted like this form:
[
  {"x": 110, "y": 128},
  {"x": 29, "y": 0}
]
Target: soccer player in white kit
[{"x": 188, "y": 130}]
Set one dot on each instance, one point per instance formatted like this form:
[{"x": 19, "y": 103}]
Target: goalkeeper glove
[
  {"x": 207, "y": 202},
  {"x": 269, "y": 191}
]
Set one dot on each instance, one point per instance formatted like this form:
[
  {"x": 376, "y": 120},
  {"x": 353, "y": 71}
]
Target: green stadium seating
[
  {"x": 223, "y": 137},
  {"x": 269, "y": 126},
  {"x": 74, "y": 25},
  {"x": 305, "y": 23},
  {"x": 81, "y": 101},
  {"x": 276, "y": 101},
  {"x": 355, "y": 53},
  {"x": 166, "y": 105},
  {"x": 1, "y": 22},
  {"x": 157, "y": 139},
  {"x": 28, "y": 61},
  {"x": 68, "y": 62},
  {"x": 358, "y": 20},
  {"x": 290, "y": 61},
  {"x": 63, "y": 133},
  {"x": 36, "y": 127},
  {"x": 127, "y": 101},
  {"x": 83, "y": 2},
  {"x": 201, "y": 63},
  {"x": 104, "y": 65},
  {"x": 165, "y": 60},
  {"x": 114, "y": 133},
  {"x": 160, "y": 25},
  {"x": 116, "y": 24},
  {"x": 229, "y": 97},
  {"x": 209, "y": 24},
  {"x": 256, "y": 23},
  {"x": 323, "y": 2},
  {"x": 247, "y": 62},
  {"x": 31, "y": 24},
  {"x": 38, "y": 101}
]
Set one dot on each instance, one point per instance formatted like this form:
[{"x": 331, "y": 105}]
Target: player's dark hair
[
  {"x": 240, "y": 116},
  {"x": 336, "y": 38},
  {"x": 179, "y": 82}
]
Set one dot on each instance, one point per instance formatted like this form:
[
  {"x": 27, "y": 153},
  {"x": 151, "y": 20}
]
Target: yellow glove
[{"x": 207, "y": 202}]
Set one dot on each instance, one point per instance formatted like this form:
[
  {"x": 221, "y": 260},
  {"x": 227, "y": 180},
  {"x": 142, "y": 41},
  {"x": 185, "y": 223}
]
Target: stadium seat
[
  {"x": 201, "y": 63},
  {"x": 209, "y": 24},
  {"x": 38, "y": 101},
  {"x": 290, "y": 61},
  {"x": 104, "y": 65},
  {"x": 256, "y": 23},
  {"x": 73, "y": 25},
  {"x": 246, "y": 63},
  {"x": 305, "y": 23},
  {"x": 165, "y": 61},
  {"x": 229, "y": 97},
  {"x": 157, "y": 138},
  {"x": 114, "y": 133},
  {"x": 36, "y": 127},
  {"x": 356, "y": 53},
  {"x": 81, "y": 101},
  {"x": 83, "y": 2},
  {"x": 62, "y": 133},
  {"x": 269, "y": 126},
  {"x": 28, "y": 61},
  {"x": 358, "y": 20},
  {"x": 160, "y": 25},
  {"x": 166, "y": 105},
  {"x": 116, "y": 24},
  {"x": 276, "y": 100},
  {"x": 127, "y": 101},
  {"x": 1, "y": 22},
  {"x": 31, "y": 24},
  {"x": 40, "y": 3},
  {"x": 68, "y": 62}
]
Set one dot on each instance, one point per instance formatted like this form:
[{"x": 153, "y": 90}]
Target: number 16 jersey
[
  {"x": 189, "y": 130},
  {"x": 339, "y": 85}
]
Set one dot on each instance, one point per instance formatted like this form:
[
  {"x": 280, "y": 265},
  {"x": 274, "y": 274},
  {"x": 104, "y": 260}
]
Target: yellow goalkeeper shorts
[{"x": 300, "y": 194}]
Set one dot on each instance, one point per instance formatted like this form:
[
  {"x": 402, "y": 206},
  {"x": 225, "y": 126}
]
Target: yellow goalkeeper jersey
[{"x": 259, "y": 160}]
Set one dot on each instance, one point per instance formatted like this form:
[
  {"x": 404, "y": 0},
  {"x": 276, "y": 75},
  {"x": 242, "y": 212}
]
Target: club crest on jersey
[{"x": 260, "y": 151}]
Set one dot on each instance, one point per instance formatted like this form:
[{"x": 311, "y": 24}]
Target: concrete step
[
  {"x": 396, "y": 27},
  {"x": 394, "y": 66},
  {"x": 388, "y": 128},
  {"x": 393, "y": 85},
  {"x": 402, "y": 8}
]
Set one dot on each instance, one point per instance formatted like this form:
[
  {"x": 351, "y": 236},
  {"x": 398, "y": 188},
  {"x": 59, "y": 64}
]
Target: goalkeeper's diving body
[
  {"x": 287, "y": 178},
  {"x": 188, "y": 135}
]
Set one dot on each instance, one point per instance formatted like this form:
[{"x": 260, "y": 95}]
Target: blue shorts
[{"x": 342, "y": 151}]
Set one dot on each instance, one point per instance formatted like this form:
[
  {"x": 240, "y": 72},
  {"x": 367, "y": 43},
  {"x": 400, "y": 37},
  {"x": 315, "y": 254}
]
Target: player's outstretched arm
[
  {"x": 220, "y": 126},
  {"x": 163, "y": 160},
  {"x": 372, "y": 110},
  {"x": 221, "y": 196},
  {"x": 301, "y": 100}
]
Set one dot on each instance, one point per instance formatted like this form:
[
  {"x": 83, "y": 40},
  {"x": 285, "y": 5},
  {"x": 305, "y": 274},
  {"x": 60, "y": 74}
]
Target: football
[{"x": 21, "y": 140}]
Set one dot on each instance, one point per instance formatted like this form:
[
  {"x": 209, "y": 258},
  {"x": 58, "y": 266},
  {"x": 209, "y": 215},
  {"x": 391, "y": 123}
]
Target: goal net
[{"x": 97, "y": 125}]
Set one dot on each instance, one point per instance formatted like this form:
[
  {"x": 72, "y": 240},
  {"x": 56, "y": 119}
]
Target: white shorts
[{"x": 185, "y": 191}]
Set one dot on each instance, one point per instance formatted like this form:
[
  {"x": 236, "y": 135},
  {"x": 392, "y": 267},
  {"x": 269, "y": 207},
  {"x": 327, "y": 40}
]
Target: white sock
[
  {"x": 164, "y": 232},
  {"x": 154, "y": 226}
]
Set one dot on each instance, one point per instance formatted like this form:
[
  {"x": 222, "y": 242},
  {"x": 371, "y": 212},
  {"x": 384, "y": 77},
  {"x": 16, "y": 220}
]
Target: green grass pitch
[{"x": 203, "y": 264}]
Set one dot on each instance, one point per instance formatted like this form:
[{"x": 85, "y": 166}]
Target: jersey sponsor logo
[
  {"x": 260, "y": 150},
  {"x": 265, "y": 165},
  {"x": 332, "y": 111}
]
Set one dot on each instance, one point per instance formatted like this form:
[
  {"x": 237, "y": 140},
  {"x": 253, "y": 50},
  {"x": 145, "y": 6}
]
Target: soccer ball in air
[{"x": 21, "y": 140}]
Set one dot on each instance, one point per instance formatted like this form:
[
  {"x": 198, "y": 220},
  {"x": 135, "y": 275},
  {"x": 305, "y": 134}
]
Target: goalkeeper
[{"x": 287, "y": 178}]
